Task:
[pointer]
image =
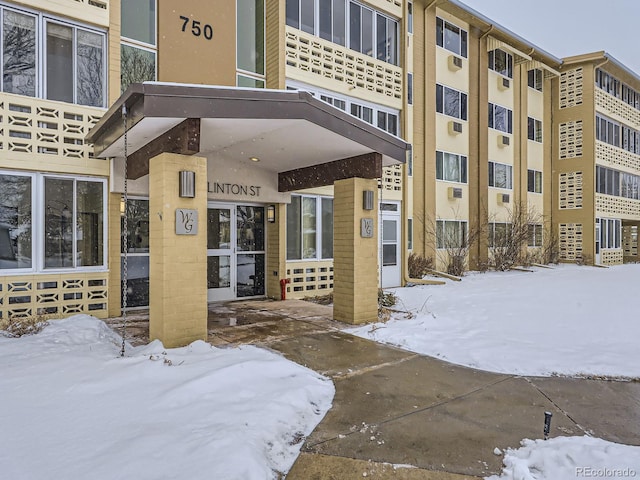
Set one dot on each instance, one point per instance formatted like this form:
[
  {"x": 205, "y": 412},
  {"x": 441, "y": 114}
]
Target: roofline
[
  {"x": 602, "y": 55},
  {"x": 497, "y": 28}
]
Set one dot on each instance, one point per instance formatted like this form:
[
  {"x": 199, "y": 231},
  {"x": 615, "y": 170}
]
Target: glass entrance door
[
  {"x": 220, "y": 279},
  {"x": 235, "y": 252},
  {"x": 390, "y": 247}
]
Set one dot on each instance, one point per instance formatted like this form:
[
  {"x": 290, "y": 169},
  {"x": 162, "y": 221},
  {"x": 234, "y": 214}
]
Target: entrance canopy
[{"x": 306, "y": 141}]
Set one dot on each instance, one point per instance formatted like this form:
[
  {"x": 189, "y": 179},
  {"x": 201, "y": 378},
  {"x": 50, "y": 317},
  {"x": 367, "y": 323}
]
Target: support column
[
  {"x": 177, "y": 262},
  {"x": 276, "y": 252},
  {"x": 355, "y": 259}
]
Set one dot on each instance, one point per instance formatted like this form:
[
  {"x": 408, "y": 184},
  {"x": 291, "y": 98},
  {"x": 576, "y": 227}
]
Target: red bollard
[{"x": 283, "y": 288}]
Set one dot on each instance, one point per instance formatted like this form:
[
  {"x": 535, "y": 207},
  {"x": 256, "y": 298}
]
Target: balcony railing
[{"x": 49, "y": 134}]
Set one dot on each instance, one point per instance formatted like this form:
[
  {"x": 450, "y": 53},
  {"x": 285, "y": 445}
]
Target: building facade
[
  {"x": 597, "y": 160},
  {"x": 496, "y": 125}
]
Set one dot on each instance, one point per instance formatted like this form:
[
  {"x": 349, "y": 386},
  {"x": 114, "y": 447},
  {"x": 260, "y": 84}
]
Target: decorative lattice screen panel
[
  {"x": 309, "y": 278},
  {"x": 610, "y": 104},
  {"x": 571, "y": 86},
  {"x": 326, "y": 61},
  {"x": 617, "y": 206},
  {"x": 611, "y": 257},
  {"x": 570, "y": 190},
  {"x": 570, "y": 139},
  {"x": 53, "y": 295},
  {"x": 609, "y": 155},
  {"x": 570, "y": 241}
]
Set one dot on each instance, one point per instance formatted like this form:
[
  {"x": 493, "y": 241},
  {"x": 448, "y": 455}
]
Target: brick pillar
[
  {"x": 276, "y": 252},
  {"x": 177, "y": 263},
  {"x": 355, "y": 259}
]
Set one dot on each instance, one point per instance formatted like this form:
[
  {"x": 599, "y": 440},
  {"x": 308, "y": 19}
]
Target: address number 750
[{"x": 197, "y": 28}]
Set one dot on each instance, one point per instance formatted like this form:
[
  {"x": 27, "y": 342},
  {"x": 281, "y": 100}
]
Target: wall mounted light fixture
[
  {"x": 187, "y": 184},
  {"x": 271, "y": 214}
]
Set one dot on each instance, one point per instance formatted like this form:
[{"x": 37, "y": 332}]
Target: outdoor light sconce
[
  {"x": 367, "y": 200},
  {"x": 187, "y": 184},
  {"x": 271, "y": 214}
]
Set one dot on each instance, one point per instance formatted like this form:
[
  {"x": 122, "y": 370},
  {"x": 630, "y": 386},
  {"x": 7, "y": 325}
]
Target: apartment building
[
  {"x": 495, "y": 124},
  {"x": 483, "y": 127},
  {"x": 596, "y": 161},
  {"x": 57, "y": 83}
]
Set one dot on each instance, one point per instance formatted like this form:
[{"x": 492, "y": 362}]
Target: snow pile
[
  {"x": 71, "y": 408},
  {"x": 568, "y": 458},
  {"x": 568, "y": 320}
]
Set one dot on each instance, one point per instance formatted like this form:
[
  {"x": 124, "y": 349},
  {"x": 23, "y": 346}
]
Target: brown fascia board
[
  {"x": 610, "y": 63},
  {"x": 487, "y": 25},
  {"x": 164, "y": 100}
]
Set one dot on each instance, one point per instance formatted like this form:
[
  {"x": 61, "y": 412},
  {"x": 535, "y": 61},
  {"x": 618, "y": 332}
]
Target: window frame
[
  {"x": 535, "y": 79},
  {"x": 462, "y": 33},
  {"x": 534, "y": 129},
  {"x": 508, "y": 71},
  {"x": 391, "y": 44},
  {"x": 508, "y": 175},
  {"x": 318, "y": 229},
  {"x": 462, "y": 233},
  {"x": 535, "y": 237},
  {"x": 441, "y": 102},
  {"x": 463, "y": 167},
  {"x": 38, "y": 227},
  {"x": 534, "y": 181},
  {"x": 494, "y": 109},
  {"x": 42, "y": 20}
]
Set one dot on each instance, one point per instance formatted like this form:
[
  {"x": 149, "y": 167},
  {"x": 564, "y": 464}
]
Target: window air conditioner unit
[
  {"x": 455, "y": 63},
  {"x": 455, "y": 128},
  {"x": 455, "y": 192},
  {"x": 504, "y": 140},
  {"x": 504, "y": 83},
  {"x": 503, "y": 198}
]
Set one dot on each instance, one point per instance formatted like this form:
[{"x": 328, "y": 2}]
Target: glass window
[
  {"x": 89, "y": 224},
  {"x": 73, "y": 223},
  {"x": 18, "y": 53},
  {"x": 309, "y": 228},
  {"x": 139, "y": 20},
  {"x": 58, "y": 245},
  {"x": 534, "y": 181},
  {"x": 409, "y": 17},
  {"x": 339, "y": 22},
  {"x": 15, "y": 222},
  {"x": 355, "y": 28},
  {"x": 307, "y": 16},
  {"x": 325, "y": 19},
  {"x": 90, "y": 87},
  {"x": 451, "y": 102},
  {"x": 501, "y": 62},
  {"x": 250, "y": 229},
  {"x": 451, "y": 234},
  {"x": 327, "y": 228},
  {"x": 450, "y": 37},
  {"x": 451, "y": 167},
  {"x": 535, "y": 235},
  {"x": 250, "y": 35},
  {"x": 293, "y": 13},
  {"x": 410, "y": 88},
  {"x": 500, "y": 175},
  {"x": 136, "y": 65},
  {"x": 250, "y": 82},
  {"x": 59, "y": 62},
  {"x": 410, "y": 233},
  {"x": 535, "y": 78},
  {"x": 500, "y": 118},
  {"x": 294, "y": 231},
  {"x": 75, "y": 65},
  {"x": 534, "y": 129}
]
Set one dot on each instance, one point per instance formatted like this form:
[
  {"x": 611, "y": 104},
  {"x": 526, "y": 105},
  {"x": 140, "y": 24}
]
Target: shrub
[
  {"x": 419, "y": 266},
  {"x": 19, "y": 326}
]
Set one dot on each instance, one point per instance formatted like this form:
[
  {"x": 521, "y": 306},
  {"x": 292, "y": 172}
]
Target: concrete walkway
[{"x": 394, "y": 408}]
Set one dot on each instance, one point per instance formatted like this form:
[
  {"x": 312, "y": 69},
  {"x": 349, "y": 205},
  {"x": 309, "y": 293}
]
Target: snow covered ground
[
  {"x": 569, "y": 320},
  {"x": 569, "y": 458},
  {"x": 71, "y": 408}
]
